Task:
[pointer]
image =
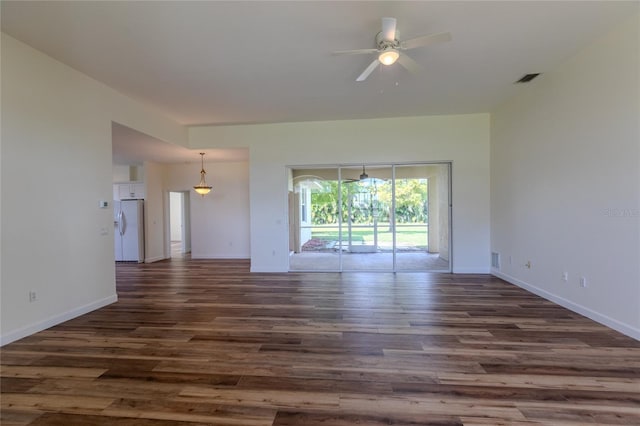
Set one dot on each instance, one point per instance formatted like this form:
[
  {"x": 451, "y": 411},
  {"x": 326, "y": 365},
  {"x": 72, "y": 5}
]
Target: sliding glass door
[
  {"x": 367, "y": 236},
  {"x": 421, "y": 200},
  {"x": 370, "y": 218},
  {"x": 314, "y": 219}
]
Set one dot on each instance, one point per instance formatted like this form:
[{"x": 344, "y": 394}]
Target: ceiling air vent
[{"x": 527, "y": 78}]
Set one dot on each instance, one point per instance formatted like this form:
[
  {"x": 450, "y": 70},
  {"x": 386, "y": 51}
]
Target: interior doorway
[
  {"x": 372, "y": 217},
  {"x": 179, "y": 224}
]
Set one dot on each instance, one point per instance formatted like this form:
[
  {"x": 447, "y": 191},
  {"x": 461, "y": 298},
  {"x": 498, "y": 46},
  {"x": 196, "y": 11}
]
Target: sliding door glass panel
[
  {"x": 314, "y": 220},
  {"x": 422, "y": 217},
  {"x": 367, "y": 238}
]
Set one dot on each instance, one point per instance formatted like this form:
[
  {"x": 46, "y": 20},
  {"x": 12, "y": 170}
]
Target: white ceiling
[{"x": 216, "y": 62}]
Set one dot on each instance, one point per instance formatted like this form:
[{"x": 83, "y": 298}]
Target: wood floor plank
[
  {"x": 36, "y": 372},
  {"x": 286, "y": 418},
  {"x": 190, "y": 411},
  {"x": 55, "y": 402},
  {"x": 194, "y": 342},
  {"x": 16, "y": 417},
  {"x": 56, "y": 419}
]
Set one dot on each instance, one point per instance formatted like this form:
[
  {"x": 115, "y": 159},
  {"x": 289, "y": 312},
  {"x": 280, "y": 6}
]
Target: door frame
[
  {"x": 185, "y": 201},
  {"x": 392, "y": 165}
]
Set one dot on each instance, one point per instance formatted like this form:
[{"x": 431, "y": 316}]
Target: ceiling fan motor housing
[{"x": 385, "y": 44}]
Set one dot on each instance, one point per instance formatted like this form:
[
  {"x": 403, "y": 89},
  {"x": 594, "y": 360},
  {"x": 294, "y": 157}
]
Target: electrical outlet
[
  {"x": 565, "y": 276},
  {"x": 583, "y": 282},
  {"x": 33, "y": 296}
]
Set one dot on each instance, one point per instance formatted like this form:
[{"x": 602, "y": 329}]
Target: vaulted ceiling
[{"x": 261, "y": 62}]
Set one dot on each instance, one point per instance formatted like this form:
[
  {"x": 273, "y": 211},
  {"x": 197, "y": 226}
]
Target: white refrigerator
[{"x": 128, "y": 229}]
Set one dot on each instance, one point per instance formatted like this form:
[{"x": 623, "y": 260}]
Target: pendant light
[{"x": 202, "y": 188}]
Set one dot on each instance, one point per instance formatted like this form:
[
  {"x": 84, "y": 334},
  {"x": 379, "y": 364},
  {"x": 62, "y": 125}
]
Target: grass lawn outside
[{"x": 407, "y": 235}]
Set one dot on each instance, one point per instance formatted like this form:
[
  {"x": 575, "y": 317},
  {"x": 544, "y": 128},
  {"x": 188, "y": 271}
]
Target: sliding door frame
[{"x": 392, "y": 215}]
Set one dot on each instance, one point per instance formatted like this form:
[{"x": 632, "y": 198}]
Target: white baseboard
[
  {"x": 214, "y": 256},
  {"x": 155, "y": 259},
  {"x": 479, "y": 270},
  {"x": 272, "y": 271},
  {"x": 582, "y": 310},
  {"x": 12, "y": 336}
]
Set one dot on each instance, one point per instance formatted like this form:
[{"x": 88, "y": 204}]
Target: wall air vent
[
  {"x": 495, "y": 260},
  {"x": 527, "y": 78}
]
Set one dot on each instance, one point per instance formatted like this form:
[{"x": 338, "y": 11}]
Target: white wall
[
  {"x": 443, "y": 210},
  {"x": 120, "y": 173},
  {"x": 155, "y": 214},
  {"x": 55, "y": 168},
  {"x": 220, "y": 219},
  {"x": 125, "y": 173},
  {"x": 463, "y": 139},
  {"x": 565, "y": 182}
]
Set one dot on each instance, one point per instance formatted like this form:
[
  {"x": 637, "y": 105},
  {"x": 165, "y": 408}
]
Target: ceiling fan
[
  {"x": 390, "y": 49},
  {"x": 363, "y": 176}
]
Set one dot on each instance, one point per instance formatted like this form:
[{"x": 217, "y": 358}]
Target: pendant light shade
[{"x": 202, "y": 188}]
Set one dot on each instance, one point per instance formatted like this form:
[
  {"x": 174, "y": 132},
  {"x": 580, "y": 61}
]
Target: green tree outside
[{"x": 411, "y": 202}]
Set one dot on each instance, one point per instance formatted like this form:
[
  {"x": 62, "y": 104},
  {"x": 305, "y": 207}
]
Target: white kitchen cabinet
[{"x": 128, "y": 191}]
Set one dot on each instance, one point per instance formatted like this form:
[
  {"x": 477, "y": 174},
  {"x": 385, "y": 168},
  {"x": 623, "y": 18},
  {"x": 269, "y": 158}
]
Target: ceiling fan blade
[
  {"x": 411, "y": 65},
  {"x": 425, "y": 40},
  {"x": 355, "y": 52},
  {"x": 388, "y": 29},
  {"x": 369, "y": 70}
]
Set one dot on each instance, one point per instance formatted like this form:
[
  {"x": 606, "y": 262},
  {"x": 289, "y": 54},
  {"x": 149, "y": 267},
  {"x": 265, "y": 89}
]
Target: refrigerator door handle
[{"x": 120, "y": 224}]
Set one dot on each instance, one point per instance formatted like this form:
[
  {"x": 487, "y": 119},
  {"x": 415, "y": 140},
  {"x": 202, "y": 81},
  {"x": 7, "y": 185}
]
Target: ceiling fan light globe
[{"x": 389, "y": 57}]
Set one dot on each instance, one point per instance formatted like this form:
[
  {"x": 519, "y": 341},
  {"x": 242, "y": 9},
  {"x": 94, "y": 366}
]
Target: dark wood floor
[{"x": 206, "y": 342}]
